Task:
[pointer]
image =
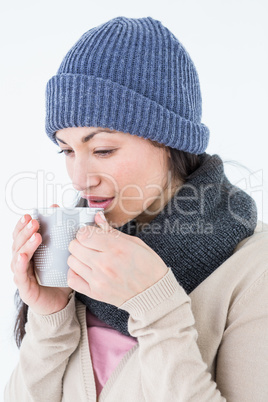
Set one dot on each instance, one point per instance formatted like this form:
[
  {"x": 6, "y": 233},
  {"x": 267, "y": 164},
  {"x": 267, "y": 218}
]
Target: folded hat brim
[{"x": 89, "y": 101}]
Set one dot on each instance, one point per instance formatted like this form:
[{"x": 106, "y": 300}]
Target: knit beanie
[{"x": 130, "y": 75}]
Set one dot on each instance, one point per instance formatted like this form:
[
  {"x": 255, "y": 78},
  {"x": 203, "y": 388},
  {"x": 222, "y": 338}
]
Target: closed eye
[
  {"x": 102, "y": 152},
  {"x": 64, "y": 151}
]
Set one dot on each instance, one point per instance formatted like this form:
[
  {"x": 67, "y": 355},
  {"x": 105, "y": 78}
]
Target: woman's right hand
[{"x": 41, "y": 299}]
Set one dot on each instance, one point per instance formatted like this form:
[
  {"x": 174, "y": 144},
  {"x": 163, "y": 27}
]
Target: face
[{"x": 124, "y": 170}]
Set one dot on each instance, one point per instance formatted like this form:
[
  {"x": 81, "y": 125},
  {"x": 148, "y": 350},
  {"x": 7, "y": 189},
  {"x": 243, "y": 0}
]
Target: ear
[{"x": 167, "y": 149}]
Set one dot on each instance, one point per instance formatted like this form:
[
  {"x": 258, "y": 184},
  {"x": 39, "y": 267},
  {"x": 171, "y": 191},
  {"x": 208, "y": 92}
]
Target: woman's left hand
[{"x": 111, "y": 266}]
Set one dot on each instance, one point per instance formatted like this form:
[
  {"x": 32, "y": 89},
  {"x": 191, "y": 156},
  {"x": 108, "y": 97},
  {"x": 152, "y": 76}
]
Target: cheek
[
  {"x": 137, "y": 181},
  {"x": 69, "y": 169},
  {"x": 126, "y": 176}
]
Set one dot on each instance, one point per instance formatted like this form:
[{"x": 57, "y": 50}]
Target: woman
[{"x": 167, "y": 295}]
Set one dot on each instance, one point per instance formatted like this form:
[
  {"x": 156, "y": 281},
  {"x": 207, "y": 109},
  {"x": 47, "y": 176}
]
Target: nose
[{"x": 84, "y": 176}]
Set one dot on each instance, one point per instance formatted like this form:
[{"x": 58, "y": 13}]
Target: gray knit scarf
[{"x": 194, "y": 234}]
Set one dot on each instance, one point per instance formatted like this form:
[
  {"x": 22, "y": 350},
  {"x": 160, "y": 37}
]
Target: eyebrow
[{"x": 88, "y": 137}]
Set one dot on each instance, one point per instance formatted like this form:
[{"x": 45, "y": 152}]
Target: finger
[
  {"x": 21, "y": 224},
  {"x": 77, "y": 283},
  {"x": 101, "y": 221},
  {"x": 97, "y": 238},
  {"x": 25, "y": 234},
  {"x": 92, "y": 237},
  {"x": 24, "y": 221},
  {"x": 28, "y": 248},
  {"x": 79, "y": 267},
  {"x": 84, "y": 254},
  {"x": 21, "y": 278},
  {"x": 20, "y": 237}
]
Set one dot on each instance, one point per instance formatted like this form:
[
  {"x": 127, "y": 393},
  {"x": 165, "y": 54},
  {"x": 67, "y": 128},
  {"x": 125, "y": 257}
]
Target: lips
[{"x": 98, "y": 201}]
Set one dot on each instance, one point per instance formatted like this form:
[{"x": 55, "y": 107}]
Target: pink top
[{"x": 107, "y": 347}]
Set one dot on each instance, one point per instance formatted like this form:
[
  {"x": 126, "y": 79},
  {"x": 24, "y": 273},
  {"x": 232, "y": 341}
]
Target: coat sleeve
[
  {"x": 44, "y": 354},
  {"x": 172, "y": 368}
]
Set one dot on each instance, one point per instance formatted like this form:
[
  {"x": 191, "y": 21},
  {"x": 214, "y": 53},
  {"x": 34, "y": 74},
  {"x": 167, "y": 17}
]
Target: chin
[{"x": 115, "y": 220}]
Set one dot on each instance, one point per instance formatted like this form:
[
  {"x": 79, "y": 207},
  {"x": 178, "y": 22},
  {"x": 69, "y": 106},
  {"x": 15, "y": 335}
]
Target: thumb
[
  {"x": 54, "y": 206},
  {"x": 101, "y": 221}
]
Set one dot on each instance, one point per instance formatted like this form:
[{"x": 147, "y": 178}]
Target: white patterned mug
[{"x": 58, "y": 227}]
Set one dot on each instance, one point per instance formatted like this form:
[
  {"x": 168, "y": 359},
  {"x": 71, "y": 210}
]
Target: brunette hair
[{"x": 182, "y": 165}]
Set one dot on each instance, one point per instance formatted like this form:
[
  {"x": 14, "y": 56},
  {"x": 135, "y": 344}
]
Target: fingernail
[
  {"x": 19, "y": 258},
  {"x": 22, "y": 219},
  {"x": 101, "y": 214},
  {"x": 32, "y": 238},
  {"x": 30, "y": 224}
]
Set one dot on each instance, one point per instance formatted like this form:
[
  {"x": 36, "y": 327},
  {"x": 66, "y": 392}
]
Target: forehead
[{"x": 83, "y": 133}]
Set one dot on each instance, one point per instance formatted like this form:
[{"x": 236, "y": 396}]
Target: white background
[{"x": 227, "y": 40}]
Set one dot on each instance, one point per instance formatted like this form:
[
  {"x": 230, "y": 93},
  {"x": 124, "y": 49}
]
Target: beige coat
[{"x": 211, "y": 346}]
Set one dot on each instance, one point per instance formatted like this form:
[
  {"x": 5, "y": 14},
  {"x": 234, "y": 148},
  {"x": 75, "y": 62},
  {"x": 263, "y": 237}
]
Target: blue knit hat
[{"x": 129, "y": 75}]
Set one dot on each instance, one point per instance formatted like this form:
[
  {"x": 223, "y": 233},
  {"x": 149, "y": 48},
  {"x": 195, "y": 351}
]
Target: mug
[{"x": 58, "y": 227}]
